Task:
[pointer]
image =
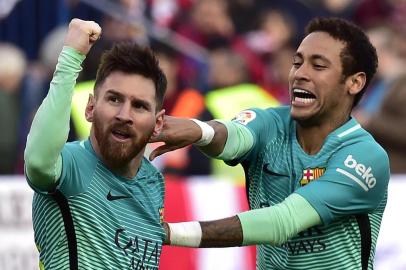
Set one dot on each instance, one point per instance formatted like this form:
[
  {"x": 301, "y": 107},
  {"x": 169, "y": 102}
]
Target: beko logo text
[{"x": 368, "y": 179}]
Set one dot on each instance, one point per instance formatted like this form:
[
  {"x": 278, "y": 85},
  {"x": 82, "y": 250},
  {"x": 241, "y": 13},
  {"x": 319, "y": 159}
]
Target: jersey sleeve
[
  {"x": 78, "y": 166},
  {"x": 50, "y": 127},
  {"x": 355, "y": 182},
  {"x": 263, "y": 126}
]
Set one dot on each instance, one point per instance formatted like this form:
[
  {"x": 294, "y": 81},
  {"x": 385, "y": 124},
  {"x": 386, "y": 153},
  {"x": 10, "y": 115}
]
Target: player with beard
[
  {"x": 98, "y": 203},
  {"x": 316, "y": 180}
]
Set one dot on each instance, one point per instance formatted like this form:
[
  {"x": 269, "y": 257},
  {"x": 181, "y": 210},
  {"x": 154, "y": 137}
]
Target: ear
[
  {"x": 159, "y": 123},
  {"x": 356, "y": 82},
  {"x": 90, "y": 108}
]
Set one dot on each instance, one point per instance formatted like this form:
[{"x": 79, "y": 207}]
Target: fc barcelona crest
[{"x": 311, "y": 174}]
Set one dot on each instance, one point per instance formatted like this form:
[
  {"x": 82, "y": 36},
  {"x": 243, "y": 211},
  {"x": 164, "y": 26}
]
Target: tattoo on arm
[{"x": 222, "y": 233}]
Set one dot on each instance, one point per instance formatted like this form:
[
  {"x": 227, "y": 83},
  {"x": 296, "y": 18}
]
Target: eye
[
  {"x": 296, "y": 61},
  {"x": 113, "y": 99},
  {"x": 296, "y": 64},
  {"x": 319, "y": 67},
  {"x": 139, "y": 106}
]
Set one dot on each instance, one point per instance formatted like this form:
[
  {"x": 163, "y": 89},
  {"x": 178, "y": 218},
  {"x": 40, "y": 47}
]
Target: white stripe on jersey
[
  {"x": 359, "y": 182},
  {"x": 348, "y": 131}
]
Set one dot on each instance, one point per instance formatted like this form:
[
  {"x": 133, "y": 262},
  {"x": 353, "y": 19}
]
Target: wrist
[
  {"x": 207, "y": 133},
  {"x": 184, "y": 234},
  {"x": 70, "y": 59}
]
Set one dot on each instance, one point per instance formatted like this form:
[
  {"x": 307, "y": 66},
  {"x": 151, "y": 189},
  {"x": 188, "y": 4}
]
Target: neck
[
  {"x": 127, "y": 170},
  {"x": 311, "y": 137}
]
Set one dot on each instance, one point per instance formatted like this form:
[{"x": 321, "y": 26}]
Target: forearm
[
  {"x": 225, "y": 232},
  {"x": 276, "y": 224},
  {"x": 50, "y": 127},
  {"x": 224, "y": 140},
  {"x": 222, "y": 233},
  {"x": 216, "y": 146},
  {"x": 230, "y": 141},
  {"x": 271, "y": 225}
]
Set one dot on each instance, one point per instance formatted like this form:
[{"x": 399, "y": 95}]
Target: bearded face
[
  {"x": 117, "y": 152},
  {"x": 124, "y": 117}
]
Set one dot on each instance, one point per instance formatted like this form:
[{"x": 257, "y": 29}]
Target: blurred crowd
[{"x": 220, "y": 56}]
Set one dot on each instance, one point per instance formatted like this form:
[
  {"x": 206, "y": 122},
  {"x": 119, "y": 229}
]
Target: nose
[
  {"x": 301, "y": 72},
  {"x": 124, "y": 113}
]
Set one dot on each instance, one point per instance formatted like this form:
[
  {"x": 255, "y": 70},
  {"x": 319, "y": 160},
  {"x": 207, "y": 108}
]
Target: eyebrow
[
  {"x": 133, "y": 99},
  {"x": 313, "y": 57}
]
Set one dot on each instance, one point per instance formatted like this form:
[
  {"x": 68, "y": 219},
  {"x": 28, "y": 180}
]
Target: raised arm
[
  {"x": 50, "y": 127},
  {"x": 271, "y": 225}
]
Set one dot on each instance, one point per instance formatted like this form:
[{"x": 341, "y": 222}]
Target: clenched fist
[{"x": 82, "y": 35}]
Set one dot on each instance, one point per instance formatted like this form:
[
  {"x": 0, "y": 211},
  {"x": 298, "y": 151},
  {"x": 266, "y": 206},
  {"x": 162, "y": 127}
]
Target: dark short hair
[
  {"x": 131, "y": 58},
  {"x": 358, "y": 55}
]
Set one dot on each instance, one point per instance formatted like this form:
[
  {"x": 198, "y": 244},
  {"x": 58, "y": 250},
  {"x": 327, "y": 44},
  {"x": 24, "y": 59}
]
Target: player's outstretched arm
[
  {"x": 50, "y": 127},
  {"x": 178, "y": 132},
  {"x": 225, "y": 232},
  {"x": 271, "y": 225},
  {"x": 225, "y": 140}
]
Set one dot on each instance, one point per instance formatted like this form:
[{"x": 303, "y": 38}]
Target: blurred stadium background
[{"x": 220, "y": 56}]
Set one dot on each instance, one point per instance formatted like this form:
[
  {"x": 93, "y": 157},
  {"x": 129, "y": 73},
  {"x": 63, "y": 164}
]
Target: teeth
[
  {"x": 120, "y": 133},
  {"x": 297, "y": 90},
  {"x": 304, "y": 100},
  {"x": 303, "y": 96}
]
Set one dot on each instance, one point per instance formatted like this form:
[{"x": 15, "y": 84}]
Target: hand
[
  {"x": 82, "y": 35},
  {"x": 176, "y": 133}
]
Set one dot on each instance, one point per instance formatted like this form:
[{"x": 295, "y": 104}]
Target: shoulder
[
  {"x": 361, "y": 157},
  {"x": 357, "y": 140},
  {"x": 75, "y": 153},
  {"x": 76, "y": 146},
  {"x": 150, "y": 176},
  {"x": 282, "y": 112},
  {"x": 149, "y": 170},
  {"x": 267, "y": 126},
  {"x": 277, "y": 115},
  {"x": 78, "y": 167}
]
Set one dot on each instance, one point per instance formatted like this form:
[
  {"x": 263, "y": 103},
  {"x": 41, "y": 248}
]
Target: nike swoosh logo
[
  {"x": 111, "y": 197},
  {"x": 268, "y": 171}
]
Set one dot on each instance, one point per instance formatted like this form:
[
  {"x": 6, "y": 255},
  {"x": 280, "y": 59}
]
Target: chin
[
  {"x": 118, "y": 154},
  {"x": 299, "y": 113},
  {"x": 304, "y": 118},
  {"x": 116, "y": 157}
]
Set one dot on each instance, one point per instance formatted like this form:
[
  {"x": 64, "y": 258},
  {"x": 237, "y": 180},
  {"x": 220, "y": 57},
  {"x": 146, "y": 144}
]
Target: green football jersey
[
  {"x": 346, "y": 182},
  {"x": 98, "y": 220}
]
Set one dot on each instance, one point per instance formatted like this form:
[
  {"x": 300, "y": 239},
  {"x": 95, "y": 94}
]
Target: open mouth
[
  {"x": 121, "y": 135},
  {"x": 302, "y": 97}
]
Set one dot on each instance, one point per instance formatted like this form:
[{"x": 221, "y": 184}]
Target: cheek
[
  {"x": 144, "y": 124},
  {"x": 331, "y": 94},
  {"x": 104, "y": 112},
  {"x": 100, "y": 119}
]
